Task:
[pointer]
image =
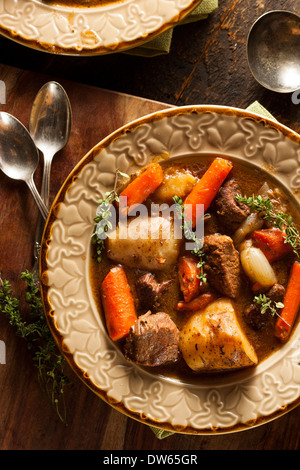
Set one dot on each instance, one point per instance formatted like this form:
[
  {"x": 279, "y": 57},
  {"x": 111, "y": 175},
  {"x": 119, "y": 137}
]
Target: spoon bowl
[
  {"x": 19, "y": 156},
  {"x": 273, "y": 51}
]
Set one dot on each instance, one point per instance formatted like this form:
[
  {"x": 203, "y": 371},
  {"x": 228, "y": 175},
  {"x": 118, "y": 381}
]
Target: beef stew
[{"x": 210, "y": 310}]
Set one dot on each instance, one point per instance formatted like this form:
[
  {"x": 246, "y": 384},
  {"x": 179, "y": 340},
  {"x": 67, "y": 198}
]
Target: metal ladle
[
  {"x": 19, "y": 156},
  {"x": 273, "y": 50}
]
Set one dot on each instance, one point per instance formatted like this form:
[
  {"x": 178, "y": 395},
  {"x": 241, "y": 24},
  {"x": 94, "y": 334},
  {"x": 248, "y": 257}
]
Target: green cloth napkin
[
  {"x": 257, "y": 108},
  {"x": 162, "y": 44}
]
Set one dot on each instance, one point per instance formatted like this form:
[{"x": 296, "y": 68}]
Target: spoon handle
[
  {"x": 45, "y": 188},
  {"x": 40, "y": 203},
  {"x": 45, "y": 195}
]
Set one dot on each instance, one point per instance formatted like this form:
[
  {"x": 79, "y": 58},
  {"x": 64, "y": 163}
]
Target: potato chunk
[
  {"x": 150, "y": 243},
  {"x": 212, "y": 339},
  {"x": 174, "y": 184}
]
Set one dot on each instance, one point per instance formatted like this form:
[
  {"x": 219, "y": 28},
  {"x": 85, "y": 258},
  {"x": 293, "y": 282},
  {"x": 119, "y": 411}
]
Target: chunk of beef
[
  {"x": 153, "y": 340},
  {"x": 254, "y": 318},
  {"x": 149, "y": 291},
  {"x": 252, "y": 313},
  {"x": 222, "y": 264},
  {"x": 231, "y": 213},
  {"x": 276, "y": 292}
]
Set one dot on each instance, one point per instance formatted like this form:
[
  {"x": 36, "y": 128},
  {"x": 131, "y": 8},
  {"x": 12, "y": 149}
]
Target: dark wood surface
[{"x": 207, "y": 64}]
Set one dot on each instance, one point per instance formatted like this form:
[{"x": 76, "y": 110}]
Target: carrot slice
[
  {"x": 118, "y": 303},
  {"x": 143, "y": 185},
  {"x": 272, "y": 243},
  {"x": 188, "y": 271},
  {"x": 291, "y": 303},
  {"x": 206, "y": 189},
  {"x": 198, "y": 303},
  {"x": 256, "y": 287}
]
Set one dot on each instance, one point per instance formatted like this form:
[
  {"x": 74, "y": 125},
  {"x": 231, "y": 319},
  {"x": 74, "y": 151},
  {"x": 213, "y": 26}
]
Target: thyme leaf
[
  {"x": 45, "y": 354},
  {"x": 103, "y": 217},
  {"x": 268, "y": 305},
  {"x": 280, "y": 220},
  {"x": 190, "y": 235}
]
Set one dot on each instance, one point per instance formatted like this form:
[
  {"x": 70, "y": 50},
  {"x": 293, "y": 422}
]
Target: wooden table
[{"x": 206, "y": 64}]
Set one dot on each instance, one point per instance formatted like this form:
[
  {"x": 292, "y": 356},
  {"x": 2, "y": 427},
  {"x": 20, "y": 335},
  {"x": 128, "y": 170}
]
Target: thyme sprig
[
  {"x": 45, "y": 354},
  {"x": 280, "y": 220},
  {"x": 191, "y": 236},
  {"x": 268, "y": 305},
  {"x": 103, "y": 218}
]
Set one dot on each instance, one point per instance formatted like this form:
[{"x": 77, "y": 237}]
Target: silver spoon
[
  {"x": 50, "y": 126},
  {"x": 19, "y": 156},
  {"x": 273, "y": 50}
]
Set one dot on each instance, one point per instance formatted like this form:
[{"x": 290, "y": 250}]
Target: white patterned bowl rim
[
  {"x": 219, "y": 404},
  {"x": 102, "y": 29}
]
